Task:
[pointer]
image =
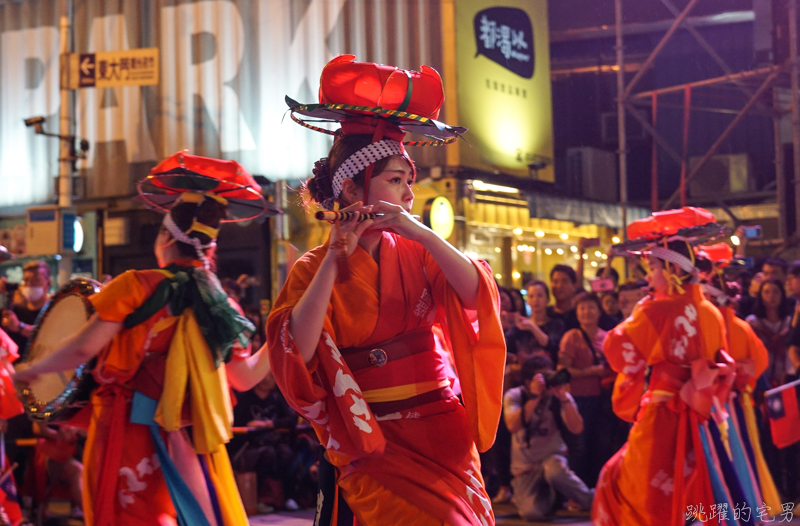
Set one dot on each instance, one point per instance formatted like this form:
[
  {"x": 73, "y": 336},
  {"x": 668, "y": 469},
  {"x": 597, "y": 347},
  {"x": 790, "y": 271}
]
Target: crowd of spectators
[{"x": 559, "y": 428}]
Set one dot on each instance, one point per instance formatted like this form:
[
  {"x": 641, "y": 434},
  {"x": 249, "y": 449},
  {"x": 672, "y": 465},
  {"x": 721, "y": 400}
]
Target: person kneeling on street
[{"x": 537, "y": 413}]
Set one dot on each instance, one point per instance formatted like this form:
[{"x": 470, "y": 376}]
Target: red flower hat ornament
[
  {"x": 363, "y": 96},
  {"x": 693, "y": 225},
  {"x": 669, "y": 222},
  {"x": 719, "y": 254},
  {"x": 182, "y": 172}
]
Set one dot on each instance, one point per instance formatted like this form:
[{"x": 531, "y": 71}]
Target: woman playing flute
[{"x": 355, "y": 355}]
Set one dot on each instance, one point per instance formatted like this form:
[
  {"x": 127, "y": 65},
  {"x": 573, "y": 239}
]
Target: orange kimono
[
  {"x": 376, "y": 391},
  {"x": 10, "y": 406},
  {"x": 661, "y": 471},
  {"x": 123, "y": 479}
]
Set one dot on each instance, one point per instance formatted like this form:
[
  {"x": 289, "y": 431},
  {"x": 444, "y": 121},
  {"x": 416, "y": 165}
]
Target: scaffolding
[{"x": 759, "y": 87}]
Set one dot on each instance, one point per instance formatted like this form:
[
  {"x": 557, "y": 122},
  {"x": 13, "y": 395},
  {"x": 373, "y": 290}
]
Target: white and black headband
[{"x": 354, "y": 164}]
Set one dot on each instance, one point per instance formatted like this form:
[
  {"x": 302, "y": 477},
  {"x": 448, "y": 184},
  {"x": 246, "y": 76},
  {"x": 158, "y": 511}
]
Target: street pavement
[{"x": 505, "y": 514}]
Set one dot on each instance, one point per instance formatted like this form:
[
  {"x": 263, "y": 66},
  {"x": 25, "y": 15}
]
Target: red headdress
[
  {"x": 651, "y": 235},
  {"x": 181, "y": 173},
  {"x": 383, "y": 101}
]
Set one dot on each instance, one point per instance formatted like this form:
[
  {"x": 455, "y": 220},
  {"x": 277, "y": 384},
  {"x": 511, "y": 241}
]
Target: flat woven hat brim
[
  {"x": 408, "y": 122},
  {"x": 696, "y": 235},
  {"x": 160, "y": 191}
]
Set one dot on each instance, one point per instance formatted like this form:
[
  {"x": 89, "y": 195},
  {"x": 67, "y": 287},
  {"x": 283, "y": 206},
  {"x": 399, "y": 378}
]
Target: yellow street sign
[{"x": 131, "y": 67}]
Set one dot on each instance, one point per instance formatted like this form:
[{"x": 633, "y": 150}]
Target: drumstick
[{"x": 347, "y": 216}]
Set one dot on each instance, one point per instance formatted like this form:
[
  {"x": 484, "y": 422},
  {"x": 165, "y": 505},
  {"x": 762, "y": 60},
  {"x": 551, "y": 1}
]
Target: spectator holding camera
[{"x": 537, "y": 414}]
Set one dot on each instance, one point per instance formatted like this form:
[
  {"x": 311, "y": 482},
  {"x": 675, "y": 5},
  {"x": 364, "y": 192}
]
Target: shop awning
[{"x": 579, "y": 211}]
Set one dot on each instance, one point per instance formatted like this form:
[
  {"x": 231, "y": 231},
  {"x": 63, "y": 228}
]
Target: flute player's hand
[{"x": 345, "y": 234}]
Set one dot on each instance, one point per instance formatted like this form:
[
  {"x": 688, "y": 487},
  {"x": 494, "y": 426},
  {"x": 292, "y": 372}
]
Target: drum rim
[{"x": 42, "y": 410}]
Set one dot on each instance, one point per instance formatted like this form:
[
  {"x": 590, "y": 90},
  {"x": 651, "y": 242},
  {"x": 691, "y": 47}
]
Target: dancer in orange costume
[
  {"x": 752, "y": 358},
  {"x": 662, "y": 475},
  {"x": 351, "y": 335},
  {"x": 168, "y": 342}
]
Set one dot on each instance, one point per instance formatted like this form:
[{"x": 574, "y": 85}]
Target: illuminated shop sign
[
  {"x": 505, "y": 35},
  {"x": 503, "y": 70}
]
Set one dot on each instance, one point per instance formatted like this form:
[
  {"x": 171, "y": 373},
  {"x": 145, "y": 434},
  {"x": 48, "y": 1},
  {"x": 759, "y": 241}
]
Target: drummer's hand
[
  {"x": 10, "y": 321},
  {"x": 24, "y": 374},
  {"x": 350, "y": 231},
  {"x": 397, "y": 219}
]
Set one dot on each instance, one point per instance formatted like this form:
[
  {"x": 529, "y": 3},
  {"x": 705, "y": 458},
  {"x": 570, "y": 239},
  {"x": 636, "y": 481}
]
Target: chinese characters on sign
[
  {"x": 505, "y": 35},
  {"x": 740, "y": 511},
  {"x": 132, "y": 67}
]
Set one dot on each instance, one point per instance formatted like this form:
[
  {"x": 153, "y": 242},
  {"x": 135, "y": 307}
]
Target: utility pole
[
  {"x": 67, "y": 149},
  {"x": 623, "y": 145}
]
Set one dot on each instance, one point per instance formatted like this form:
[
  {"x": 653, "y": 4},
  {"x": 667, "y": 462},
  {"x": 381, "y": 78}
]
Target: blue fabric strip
[
  {"x": 188, "y": 509},
  {"x": 212, "y": 491},
  {"x": 740, "y": 460},
  {"x": 715, "y": 476},
  {"x": 729, "y": 473},
  {"x": 748, "y": 447}
]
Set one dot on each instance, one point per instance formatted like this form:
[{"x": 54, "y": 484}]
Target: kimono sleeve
[
  {"x": 9, "y": 351},
  {"x": 625, "y": 350},
  {"x": 324, "y": 391},
  {"x": 120, "y": 297},
  {"x": 479, "y": 348},
  {"x": 10, "y": 406}
]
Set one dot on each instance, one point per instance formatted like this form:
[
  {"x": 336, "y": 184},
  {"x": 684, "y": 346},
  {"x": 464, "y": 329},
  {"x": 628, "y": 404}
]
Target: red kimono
[
  {"x": 661, "y": 470},
  {"x": 377, "y": 393}
]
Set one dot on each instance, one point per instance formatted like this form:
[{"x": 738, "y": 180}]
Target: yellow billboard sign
[{"x": 503, "y": 69}]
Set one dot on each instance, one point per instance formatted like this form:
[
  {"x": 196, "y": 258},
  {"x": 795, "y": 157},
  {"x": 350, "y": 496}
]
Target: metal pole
[
  {"x": 621, "y": 95},
  {"x": 780, "y": 177},
  {"x": 722, "y": 138},
  {"x": 650, "y": 59},
  {"x": 65, "y": 115},
  {"x": 67, "y": 145},
  {"x": 636, "y": 114},
  {"x": 280, "y": 241},
  {"x": 795, "y": 108},
  {"x": 707, "y": 82},
  {"x": 710, "y": 50}
]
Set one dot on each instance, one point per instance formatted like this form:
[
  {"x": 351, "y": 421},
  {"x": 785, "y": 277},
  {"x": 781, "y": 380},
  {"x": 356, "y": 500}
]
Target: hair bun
[{"x": 320, "y": 187}]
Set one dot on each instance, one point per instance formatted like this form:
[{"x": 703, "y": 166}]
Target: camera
[
  {"x": 33, "y": 121},
  {"x": 602, "y": 285},
  {"x": 752, "y": 232},
  {"x": 557, "y": 378},
  {"x": 37, "y": 123}
]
